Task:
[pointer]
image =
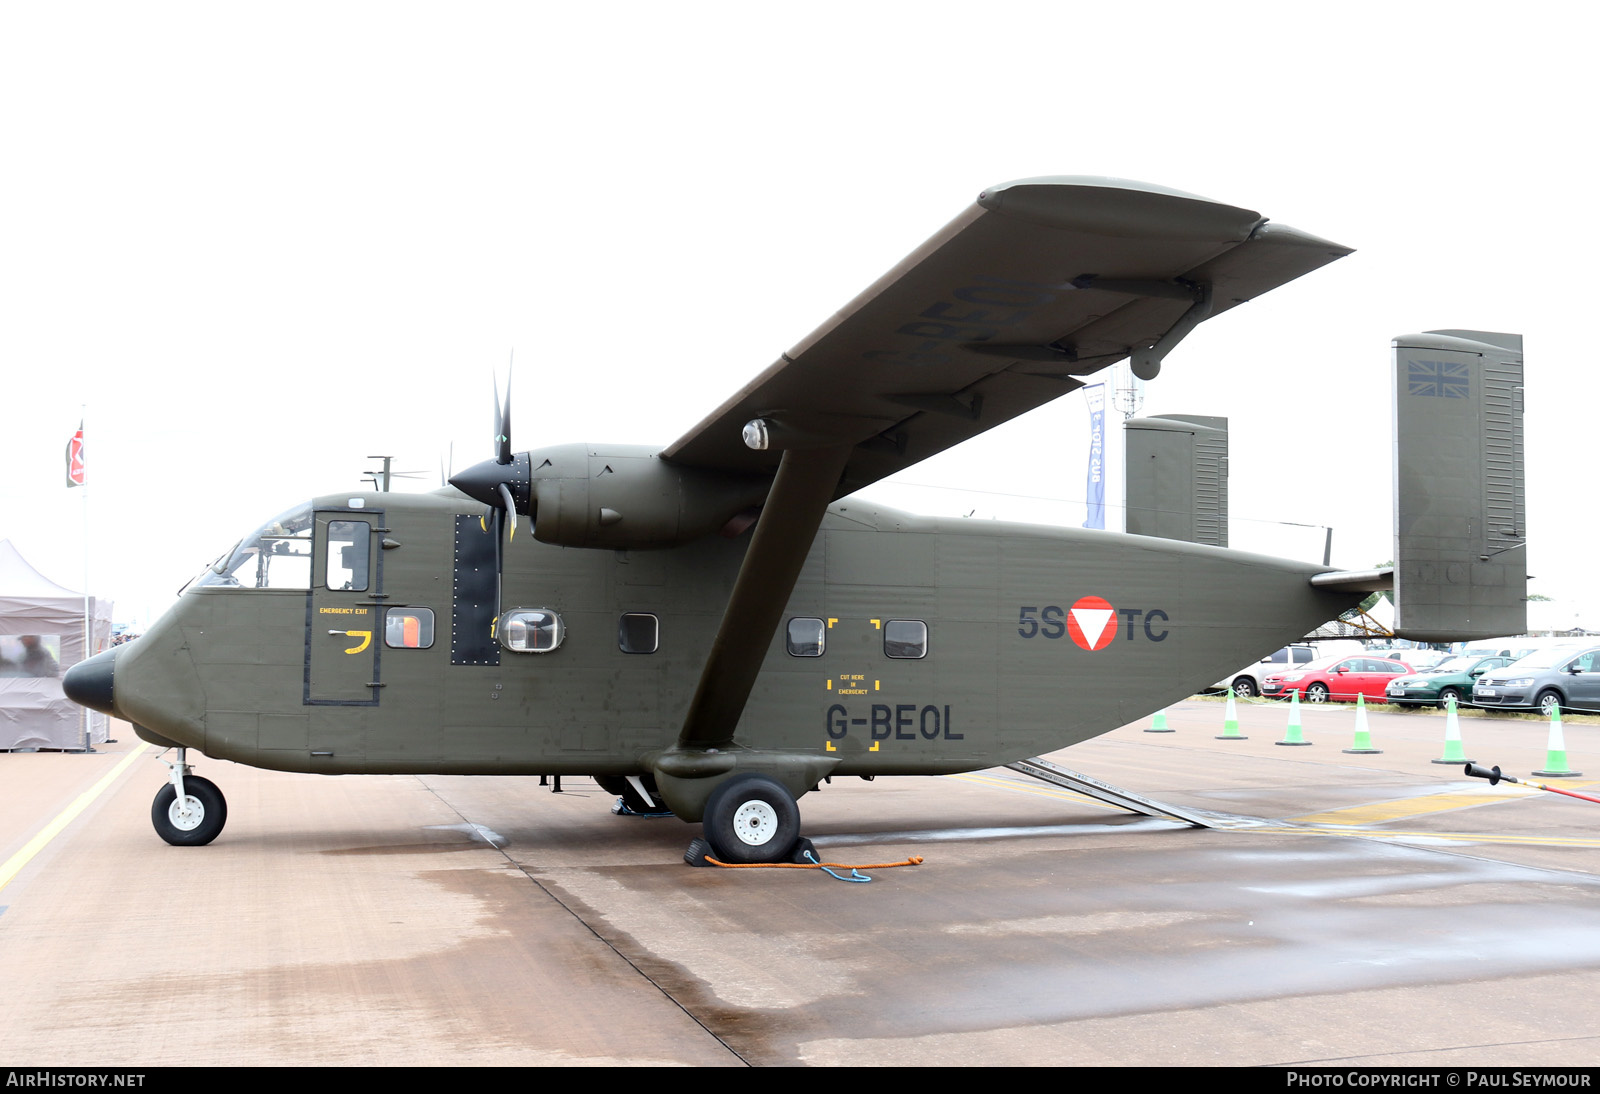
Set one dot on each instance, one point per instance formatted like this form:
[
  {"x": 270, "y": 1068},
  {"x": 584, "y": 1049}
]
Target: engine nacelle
[{"x": 626, "y": 496}]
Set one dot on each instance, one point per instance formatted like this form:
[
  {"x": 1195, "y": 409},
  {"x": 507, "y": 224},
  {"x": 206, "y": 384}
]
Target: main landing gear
[
  {"x": 751, "y": 818},
  {"x": 189, "y": 811}
]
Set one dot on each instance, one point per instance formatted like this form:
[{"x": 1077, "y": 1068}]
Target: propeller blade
[
  {"x": 502, "y": 424},
  {"x": 511, "y": 508}
]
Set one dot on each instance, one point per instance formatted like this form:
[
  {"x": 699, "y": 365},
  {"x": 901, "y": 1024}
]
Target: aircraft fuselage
[{"x": 1035, "y": 638}]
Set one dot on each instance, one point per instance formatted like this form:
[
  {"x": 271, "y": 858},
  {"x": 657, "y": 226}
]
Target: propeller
[{"x": 503, "y": 484}]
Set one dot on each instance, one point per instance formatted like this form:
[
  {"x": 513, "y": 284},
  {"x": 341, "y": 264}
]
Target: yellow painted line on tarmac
[
  {"x": 16, "y": 862},
  {"x": 1381, "y": 812},
  {"x": 1454, "y": 837}
]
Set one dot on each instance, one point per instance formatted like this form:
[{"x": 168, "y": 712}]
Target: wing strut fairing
[{"x": 800, "y": 495}]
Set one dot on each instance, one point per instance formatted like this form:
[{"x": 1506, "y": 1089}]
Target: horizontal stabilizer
[{"x": 1357, "y": 581}]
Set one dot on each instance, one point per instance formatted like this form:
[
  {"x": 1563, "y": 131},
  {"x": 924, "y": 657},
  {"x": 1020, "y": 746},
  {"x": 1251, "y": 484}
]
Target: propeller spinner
[{"x": 503, "y": 483}]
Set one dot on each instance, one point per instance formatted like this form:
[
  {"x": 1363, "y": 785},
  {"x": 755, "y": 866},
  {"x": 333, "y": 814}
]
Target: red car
[{"x": 1337, "y": 678}]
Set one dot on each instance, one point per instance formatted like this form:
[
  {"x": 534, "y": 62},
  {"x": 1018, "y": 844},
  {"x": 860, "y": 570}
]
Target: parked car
[
  {"x": 1515, "y": 649},
  {"x": 1452, "y": 679},
  {"x": 1418, "y": 660},
  {"x": 1561, "y": 677},
  {"x": 1338, "y": 678},
  {"x": 1246, "y": 683}
]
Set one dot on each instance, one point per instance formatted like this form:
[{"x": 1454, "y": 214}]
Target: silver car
[{"x": 1567, "y": 678}]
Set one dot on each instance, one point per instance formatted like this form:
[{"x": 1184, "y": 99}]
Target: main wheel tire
[
  {"x": 1244, "y": 688},
  {"x": 208, "y": 812},
  {"x": 1317, "y": 693},
  {"x": 1550, "y": 702},
  {"x": 751, "y": 818},
  {"x": 1447, "y": 694}
]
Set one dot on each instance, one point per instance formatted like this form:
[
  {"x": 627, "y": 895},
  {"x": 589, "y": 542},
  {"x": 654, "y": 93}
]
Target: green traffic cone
[
  {"x": 1292, "y": 735},
  {"x": 1362, "y": 745},
  {"x": 1556, "y": 753},
  {"x": 1230, "y": 722},
  {"x": 1158, "y": 724},
  {"x": 1452, "y": 737}
]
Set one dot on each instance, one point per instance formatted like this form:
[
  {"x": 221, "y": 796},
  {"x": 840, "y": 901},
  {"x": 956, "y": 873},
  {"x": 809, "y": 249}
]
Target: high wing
[{"x": 1039, "y": 283}]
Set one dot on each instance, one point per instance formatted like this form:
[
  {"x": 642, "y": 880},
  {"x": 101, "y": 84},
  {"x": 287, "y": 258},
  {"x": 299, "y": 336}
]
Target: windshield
[
  {"x": 275, "y": 556},
  {"x": 1456, "y": 664}
]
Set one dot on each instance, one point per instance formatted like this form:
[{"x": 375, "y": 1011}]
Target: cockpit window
[{"x": 275, "y": 556}]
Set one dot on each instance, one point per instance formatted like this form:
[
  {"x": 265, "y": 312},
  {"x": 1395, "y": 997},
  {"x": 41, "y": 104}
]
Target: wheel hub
[
  {"x": 755, "y": 823},
  {"x": 186, "y": 815}
]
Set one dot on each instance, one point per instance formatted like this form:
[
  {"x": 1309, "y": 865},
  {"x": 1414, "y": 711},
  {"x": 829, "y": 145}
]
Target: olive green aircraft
[{"x": 718, "y": 627}]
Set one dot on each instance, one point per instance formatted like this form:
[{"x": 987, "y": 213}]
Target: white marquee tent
[{"x": 41, "y": 636}]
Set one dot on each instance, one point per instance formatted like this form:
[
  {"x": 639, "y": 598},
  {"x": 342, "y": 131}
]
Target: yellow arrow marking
[{"x": 366, "y": 640}]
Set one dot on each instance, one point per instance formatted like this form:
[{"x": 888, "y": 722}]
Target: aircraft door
[{"x": 342, "y": 615}]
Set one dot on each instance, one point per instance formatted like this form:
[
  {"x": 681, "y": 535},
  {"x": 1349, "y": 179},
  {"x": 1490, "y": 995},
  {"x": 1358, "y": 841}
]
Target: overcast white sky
[{"x": 264, "y": 242}]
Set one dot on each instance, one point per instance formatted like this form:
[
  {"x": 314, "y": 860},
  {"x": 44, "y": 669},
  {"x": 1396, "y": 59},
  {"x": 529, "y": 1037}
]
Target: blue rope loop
[{"x": 855, "y": 875}]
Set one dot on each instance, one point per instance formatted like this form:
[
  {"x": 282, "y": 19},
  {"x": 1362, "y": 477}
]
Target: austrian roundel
[{"x": 1092, "y": 623}]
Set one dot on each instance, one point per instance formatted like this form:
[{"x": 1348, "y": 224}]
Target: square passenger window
[
  {"x": 639, "y": 632},
  {"x": 408, "y": 628},
  {"x": 906, "y": 639},
  {"x": 805, "y": 637}
]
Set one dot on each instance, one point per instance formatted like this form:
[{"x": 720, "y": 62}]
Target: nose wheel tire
[
  {"x": 751, "y": 818},
  {"x": 200, "y": 818}
]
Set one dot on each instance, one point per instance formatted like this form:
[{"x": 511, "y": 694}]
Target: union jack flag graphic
[{"x": 1439, "y": 379}]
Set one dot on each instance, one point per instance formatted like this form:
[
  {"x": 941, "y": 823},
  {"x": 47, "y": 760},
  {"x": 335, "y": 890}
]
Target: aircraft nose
[{"x": 88, "y": 683}]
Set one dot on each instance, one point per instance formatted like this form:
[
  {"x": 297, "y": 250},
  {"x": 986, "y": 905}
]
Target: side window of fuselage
[
  {"x": 905, "y": 639},
  {"x": 348, "y": 544},
  {"x": 408, "y": 628},
  {"x": 532, "y": 630},
  {"x": 806, "y": 637},
  {"x": 638, "y": 632}
]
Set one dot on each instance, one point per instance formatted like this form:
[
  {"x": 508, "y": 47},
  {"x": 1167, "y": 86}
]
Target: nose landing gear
[{"x": 189, "y": 811}]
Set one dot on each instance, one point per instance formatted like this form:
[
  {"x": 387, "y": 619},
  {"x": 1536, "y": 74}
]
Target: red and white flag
[{"x": 75, "y": 458}]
